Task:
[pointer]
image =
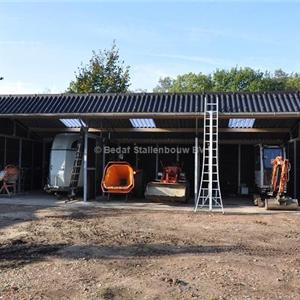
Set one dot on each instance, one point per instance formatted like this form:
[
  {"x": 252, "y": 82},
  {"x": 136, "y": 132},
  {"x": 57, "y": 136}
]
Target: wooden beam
[{"x": 190, "y": 141}]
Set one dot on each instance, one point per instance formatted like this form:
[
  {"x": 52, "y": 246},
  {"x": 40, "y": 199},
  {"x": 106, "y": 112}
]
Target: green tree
[
  {"x": 237, "y": 80},
  {"x": 164, "y": 85},
  {"x": 104, "y": 73},
  {"x": 189, "y": 82},
  {"x": 232, "y": 80},
  {"x": 192, "y": 82},
  {"x": 293, "y": 83}
]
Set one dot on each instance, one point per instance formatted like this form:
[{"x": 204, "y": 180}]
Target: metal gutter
[{"x": 256, "y": 115}]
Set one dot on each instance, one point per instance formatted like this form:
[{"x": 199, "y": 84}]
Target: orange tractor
[{"x": 171, "y": 186}]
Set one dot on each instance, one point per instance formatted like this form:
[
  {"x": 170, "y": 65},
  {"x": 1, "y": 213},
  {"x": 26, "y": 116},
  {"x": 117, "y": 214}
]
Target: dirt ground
[{"x": 95, "y": 253}]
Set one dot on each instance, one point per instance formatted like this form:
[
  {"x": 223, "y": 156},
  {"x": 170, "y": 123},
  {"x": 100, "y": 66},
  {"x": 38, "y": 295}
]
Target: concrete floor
[{"x": 231, "y": 205}]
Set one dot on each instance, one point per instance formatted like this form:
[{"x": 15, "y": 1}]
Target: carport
[{"x": 29, "y": 123}]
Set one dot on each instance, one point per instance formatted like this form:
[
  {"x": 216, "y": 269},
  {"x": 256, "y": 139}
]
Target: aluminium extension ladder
[
  {"x": 209, "y": 193},
  {"x": 75, "y": 174}
]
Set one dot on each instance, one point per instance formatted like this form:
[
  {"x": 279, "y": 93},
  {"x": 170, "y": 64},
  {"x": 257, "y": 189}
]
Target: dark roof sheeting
[{"x": 192, "y": 103}]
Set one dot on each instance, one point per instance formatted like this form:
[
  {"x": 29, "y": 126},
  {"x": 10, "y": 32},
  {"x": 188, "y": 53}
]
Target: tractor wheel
[{"x": 260, "y": 202}]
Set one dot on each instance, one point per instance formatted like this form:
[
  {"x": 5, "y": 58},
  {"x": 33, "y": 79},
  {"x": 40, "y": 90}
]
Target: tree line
[
  {"x": 107, "y": 73},
  {"x": 232, "y": 80}
]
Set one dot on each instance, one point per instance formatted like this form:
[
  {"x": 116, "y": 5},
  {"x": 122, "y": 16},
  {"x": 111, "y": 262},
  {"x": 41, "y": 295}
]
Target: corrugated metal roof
[{"x": 187, "y": 103}]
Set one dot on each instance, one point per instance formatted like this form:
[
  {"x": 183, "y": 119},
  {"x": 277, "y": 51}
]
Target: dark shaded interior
[{"x": 30, "y": 150}]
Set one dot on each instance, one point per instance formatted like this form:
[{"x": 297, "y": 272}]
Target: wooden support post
[
  {"x": 20, "y": 165},
  {"x": 103, "y": 159},
  {"x": 43, "y": 164},
  {"x": 136, "y": 161},
  {"x": 156, "y": 162},
  {"x": 295, "y": 169},
  {"x": 5, "y": 143},
  {"x": 239, "y": 168}
]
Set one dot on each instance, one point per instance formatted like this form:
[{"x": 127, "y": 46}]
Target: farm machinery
[
  {"x": 271, "y": 178},
  {"x": 118, "y": 178},
  {"x": 171, "y": 185}
]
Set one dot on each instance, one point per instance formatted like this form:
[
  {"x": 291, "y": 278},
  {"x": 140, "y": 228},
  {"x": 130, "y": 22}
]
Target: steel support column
[
  {"x": 85, "y": 166},
  {"x": 196, "y": 180},
  {"x": 196, "y": 170}
]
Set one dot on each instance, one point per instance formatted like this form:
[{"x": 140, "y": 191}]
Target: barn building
[{"x": 28, "y": 124}]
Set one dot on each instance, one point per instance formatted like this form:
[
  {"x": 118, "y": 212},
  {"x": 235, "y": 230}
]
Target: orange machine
[
  {"x": 277, "y": 198},
  {"x": 172, "y": 186},
  {"x": 9, "y": 177},
  {"x": 118, "y": 178},
  {"x": 280, "y": 174},
  {"x": 170, "y": 174}
]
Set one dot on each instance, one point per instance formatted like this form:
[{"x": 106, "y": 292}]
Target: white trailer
[{"x": 62, "y": 159}]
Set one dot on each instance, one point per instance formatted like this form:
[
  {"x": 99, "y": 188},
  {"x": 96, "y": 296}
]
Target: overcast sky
[{"x": 42, "y": 43}]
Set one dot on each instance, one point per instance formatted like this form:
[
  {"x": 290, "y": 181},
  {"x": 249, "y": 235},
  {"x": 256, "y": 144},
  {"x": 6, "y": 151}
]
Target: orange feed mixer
[{"x": 118, "y": 178}]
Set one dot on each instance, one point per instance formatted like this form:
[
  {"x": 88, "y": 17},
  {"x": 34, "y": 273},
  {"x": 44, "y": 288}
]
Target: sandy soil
[{"x": 122, "y": 254}]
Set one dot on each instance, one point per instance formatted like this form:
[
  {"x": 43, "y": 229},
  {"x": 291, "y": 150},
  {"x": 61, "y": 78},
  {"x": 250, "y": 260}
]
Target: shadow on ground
[{"x": 20, "y": 253}]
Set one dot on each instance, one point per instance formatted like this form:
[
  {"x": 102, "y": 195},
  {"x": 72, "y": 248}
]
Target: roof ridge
[{"x": 149, "y": 93}]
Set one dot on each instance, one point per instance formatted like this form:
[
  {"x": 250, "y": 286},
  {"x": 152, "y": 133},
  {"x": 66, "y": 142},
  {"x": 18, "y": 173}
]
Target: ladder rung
[
  {"x": 206, "y": 196},
  {"x": 214, "y": 196},
  {"x": 214, "y": 173},
  {"x": 207, "y": 180}
]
